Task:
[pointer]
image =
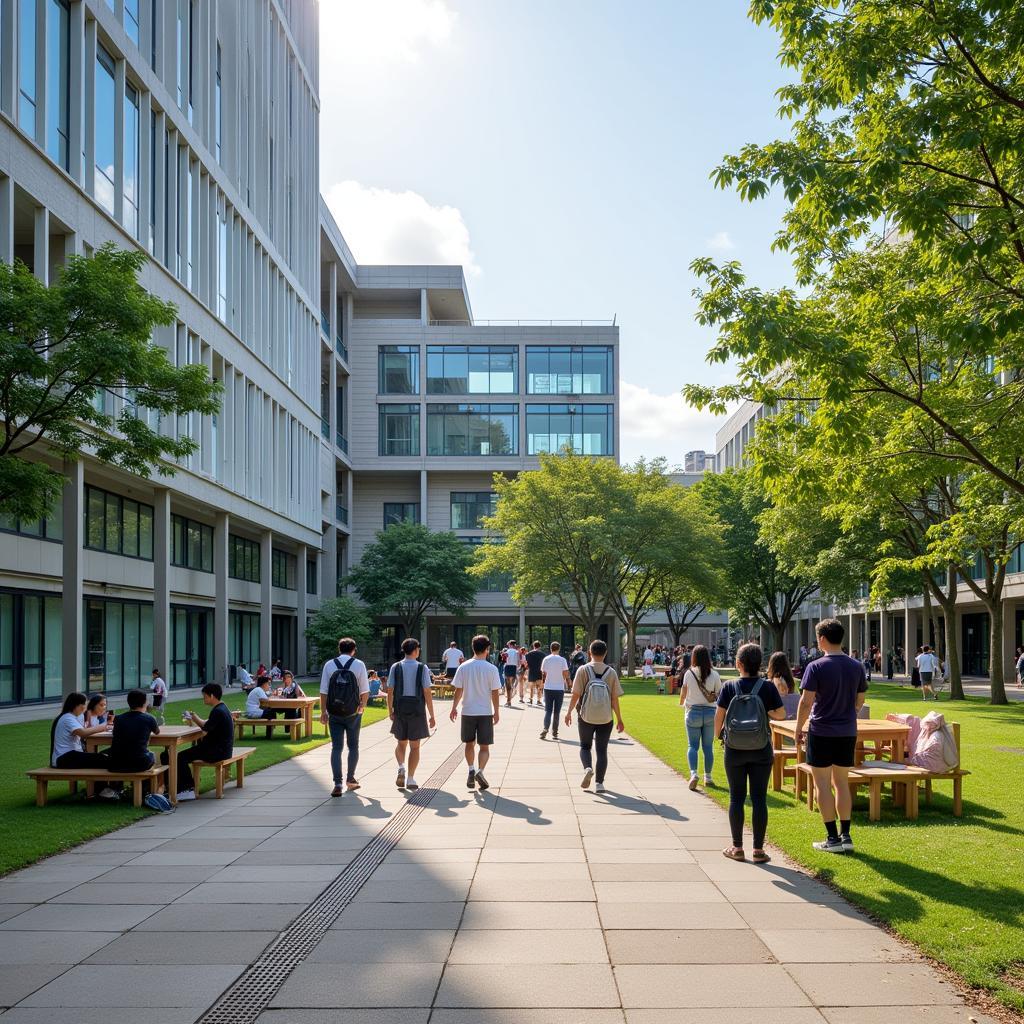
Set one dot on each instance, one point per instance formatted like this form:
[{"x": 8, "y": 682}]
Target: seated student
[
  {"x": 261, "y": 691},
  {"x": 245, "y": 680},
  {"x": 375, "y": 683},
  {"x": 129, "y": 749},
  {"x": 66, "y": 734},
  {"x": 96, "y": 712},
  {"x": 291, "y": 690},
  {"x": 216, "y": 745}
]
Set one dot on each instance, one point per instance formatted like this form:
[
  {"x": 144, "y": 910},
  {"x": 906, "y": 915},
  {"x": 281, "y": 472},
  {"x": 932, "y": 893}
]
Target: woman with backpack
[
  {"x": 698, "y": 694},
  {"x": 741, "y": 721},
  {"x": 596, "y": 691}
]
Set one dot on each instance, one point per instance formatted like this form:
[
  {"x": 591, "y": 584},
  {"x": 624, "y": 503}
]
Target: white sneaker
[
  {"x": 188, "y": 794},
  {"x": 599, "y": 788},
  {"x": 411, "y": 783},
  {"x": 106, "y": 793},
  {"x": 587, "y": 776}
]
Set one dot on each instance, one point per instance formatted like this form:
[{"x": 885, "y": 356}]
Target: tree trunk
[
  {"x": 996, "y": 667},
  {"x": 677, "y": 635},
  {"x": 778, "y": 639},
  {"x": 630, "y": 646}
]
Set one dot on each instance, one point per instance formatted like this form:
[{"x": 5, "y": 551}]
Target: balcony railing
[
  {"x": 341, "y": 513},
  {"x": 342, "y": 350},
  {"x": 342, "y": 442},
  {"x": 523, "y": 323},
  {"x": 325, "y": 428},
  {"x": 325, "y": 324}
]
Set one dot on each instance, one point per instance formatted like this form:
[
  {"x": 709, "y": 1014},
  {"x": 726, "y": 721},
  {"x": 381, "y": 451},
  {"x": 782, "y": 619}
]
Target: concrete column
[
  {"x": 424, "y": 308},
  {"x": 162, "y": 582},
  {"x": 1009, "y": 612},
  {"x": 73, "y": 577},
  {"x": 301, "y": 610},
  {"x": 883, "y": 639},
  {"x": 220, "y": 608},
  {"x": 908, "y": 640},
  {"x": 332, "y": 400},
  {"x": 41, "y": 244},
  {"x": 329, "y": 562},
  {"x": 77, "y": 76},
  {"x": 522, "y": 627},
  {"x": 42, "y": 99},
  {"x": 423, "y": 493},
  {"x": 850, "y": 642},
  {"x": 266, "y": 597},
  {"x": 7, "y": 220},
  {"x": 332, "y": 310},
  {"x": 159, "y": 237},
  {"x": 424, "y": 638},
  {"x": 145, "y": 168}
]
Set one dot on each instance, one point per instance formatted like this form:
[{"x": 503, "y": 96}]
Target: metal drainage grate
[{"x": 251, "y": 994}]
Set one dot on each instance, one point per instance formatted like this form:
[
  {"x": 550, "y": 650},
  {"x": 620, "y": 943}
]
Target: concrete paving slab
[
  {"x": 438, "y": 890},
  {"x": 426, "y": 872},
  {"x": 658, "y": 892},
  {"x": 690, "y": 985},
  {"x": 874, "y": 985},
  {"x": 549, "y": 985},
  {"x": 182, "y": 917},
  {"x": 669, "y": 855},
  {"x": 760, "y": 1014},
  {"x": 101, "y": 1015},
  {"x": 389, "y": 1015},
  {"x": 35, "y": 892},
  {"x": 283, "y": 891},
  {"x": 521, "y": 1015},
  {"x": 158, "y": 948},
  {"x": 373, "y": 916},
  {"x": 616, "y": 871},
  {"x": 323, "y": 985},
  {"x": 53, "y": 917},
  {"x": 692, "y": 946},
  {"x": 534, "y": 889},
  {"x": 351, "y": 946},
  {"x": 529, "y": 947},
  {"x": 184, "y": 858},
  {"x": 836, "y": 946},
  {"x": 501, "y": 855},
  {"x": 139, "y": 874},
  {"x": 38, "y": 947},
  {"x": 908, "y": 1015},
  {"x": 673, "y": 916},
  {"x": 512, "y": 915},
  {"x": 127, "y": 894},
  {"x": 9, "y": 910},
  {"x": 768, "y": 890},
  {"x": 801, "y": 916},
  {"x": 18, "y": 981}
]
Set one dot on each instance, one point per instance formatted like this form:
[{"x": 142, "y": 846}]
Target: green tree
[
  {"x": 409, "y": 569},
  {"x": 66, "y": 350},
  {"x": 337, "y": 617}
]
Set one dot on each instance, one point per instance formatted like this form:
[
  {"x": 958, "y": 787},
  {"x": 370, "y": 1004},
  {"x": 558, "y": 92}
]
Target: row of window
[
  {"x": 243, "y": 559},
  {"x": 494, "y": 429},
  {"x": 468, "y": 510},
  {"x": 50, "y": 527},
  {"x": 191, "y": 544},
  {"x": 117, "y": 525},
  {"x": 494, "y": 370}
]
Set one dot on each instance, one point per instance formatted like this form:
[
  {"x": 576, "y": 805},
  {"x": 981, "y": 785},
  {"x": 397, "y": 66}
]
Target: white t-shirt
[
  {"x": 357, "y": 668},
  {"x": 552, "y": 668},
  {"x": 244, "y": 677},
  {"x": 512, "y": 656},
  {"x": 649, "y": 655},
  {"x": 477, "y": 679},
  {"x": 927, "y": 662},
  {"x": 276, "y": 673},
  {"x": 64, "y": 738},
  {"x": 252, "y": 702},
  {"x": 694, "y": 698},
  {"x": 159, "y": 687},
  {"x": 451, "y": 657}
]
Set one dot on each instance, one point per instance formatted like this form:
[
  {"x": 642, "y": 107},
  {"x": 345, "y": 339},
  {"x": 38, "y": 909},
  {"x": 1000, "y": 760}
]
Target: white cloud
[
  {"x": 383, "y": 226},
  {"x": 655, "y": 425},
  {"x": 720, "y": 242},
  {"x": 358, "y": 32}
]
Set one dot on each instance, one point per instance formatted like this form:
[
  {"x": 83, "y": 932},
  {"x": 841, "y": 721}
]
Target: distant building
[{"x": 696, "y": 462}]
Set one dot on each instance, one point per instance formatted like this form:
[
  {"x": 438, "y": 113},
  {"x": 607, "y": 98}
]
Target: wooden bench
[
  {"x": 294, "y": 725},
  {"x": 781, "y": 768},
  {"x": 222, "y": 768},
  {"x": 904, "y": 784},
  {"x": 90, "y": 776},
  {"x": 955, "y": 775}
]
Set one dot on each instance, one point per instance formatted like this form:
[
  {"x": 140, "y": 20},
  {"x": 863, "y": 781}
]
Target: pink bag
[
  {"x": 933, "y": 747},
  {"x": 915, "y": 730}
]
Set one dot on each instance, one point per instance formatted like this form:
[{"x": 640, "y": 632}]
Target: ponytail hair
[{"x": 71, "y": 701}]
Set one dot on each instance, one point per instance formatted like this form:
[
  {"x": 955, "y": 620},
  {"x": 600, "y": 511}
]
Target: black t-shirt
[
  {"x": 132, "y": 730},
  {"x": 533, "y": 663},
  {"x": 769, "y": 693},
  {"x": 220, "y": 733}
]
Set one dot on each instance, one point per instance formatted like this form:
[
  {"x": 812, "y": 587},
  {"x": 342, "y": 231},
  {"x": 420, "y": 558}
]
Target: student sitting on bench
[
  {"x": 261, "y": 691},
  {"x": 216, "y": 745},
  {"x": 129, "y": 748},
  {"x": 66, "y": 736}
]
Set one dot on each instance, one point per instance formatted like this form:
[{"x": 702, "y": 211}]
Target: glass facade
[
  {"x": 191, "y": 544},
  {"x": 282, "y": 572},
  {"x": 398, "y": 370},
  {"x": 103, "y": 139},
  {"x": 585, "y": 429},
  {"x": 492, "y": 583},
  {"x": 131, "y": 19},
  {"x": 131, "y": 159},
  {"x": 569, "y": 370},
  {"x": 398, "y": 430},
  {"x": 244, "y": 639},
  {"x": 30, "y": 647},
  {"x": 50, "y": 528},
  {"x": 243, "y": 559},
  {"x": 118, "y": 644},
  {"x": 58, "y": 62},
  {"x": 311, "y": 576},
  {"x": 401, "y": 512},
  {"x": 470, "y": 507},
  {"x": 27, "y": 67},
  {"x": 472, "y": 370},
  {"x": 119, "y": 526},
  {"x": 191, "y": 646},
  {"x": 472, "y": 429}
]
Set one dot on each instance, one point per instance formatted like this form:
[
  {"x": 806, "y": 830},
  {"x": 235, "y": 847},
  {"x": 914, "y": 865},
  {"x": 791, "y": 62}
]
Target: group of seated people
[
  {"x": 263, "y": 688},
  {"x": 82, "y": 717}
]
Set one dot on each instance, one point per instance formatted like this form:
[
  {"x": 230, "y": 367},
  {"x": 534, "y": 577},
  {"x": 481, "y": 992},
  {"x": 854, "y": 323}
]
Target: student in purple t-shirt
[{"x": 832, "y": 691}]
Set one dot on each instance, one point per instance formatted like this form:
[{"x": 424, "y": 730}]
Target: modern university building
[{"x": 354, "y": 396}]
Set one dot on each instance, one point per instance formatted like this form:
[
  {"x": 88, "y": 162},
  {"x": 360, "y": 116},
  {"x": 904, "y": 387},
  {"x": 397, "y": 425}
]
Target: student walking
[
  {"x": 159, "y": 690},
  {"x": 216, "y": 745},
  {"x": 741, "y": 721},
  {"x": 344, "y": 692},
  {"x": 478, "y": 687},
  {"x": 534, "y": 675},
  {"x": 555, "y": 670},
  {"x": 411, "y": 710},
  {"x": 927, "y": 665},
  {"x": 698, "y": 694},
  {"x": 596, "y": 691},
  {"x": 511, "y": 670},
  {"x": 452, "y": 659},
  {"x": 832, "y": 692}
]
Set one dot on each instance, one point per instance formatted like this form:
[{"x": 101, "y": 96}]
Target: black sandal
[{"x": 760, "y": 857}]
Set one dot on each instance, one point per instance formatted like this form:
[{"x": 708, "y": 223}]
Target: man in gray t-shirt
[{"x": 411, "y": 710}]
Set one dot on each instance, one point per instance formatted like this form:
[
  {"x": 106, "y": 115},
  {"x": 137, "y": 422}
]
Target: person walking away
[
  {"x": 216, "y": 745},
  {"x": 927, "y": 665},
  {"x": 511, "y": 670},
  {"x": 915, "y": 671},
  {"x": 478, "y": 687},
  {"x": 595, "y": 691},
  {"x": 831, "y": 693},
  {"x": 159, "y": 690},
  {"x": 344, "y": 692},
  {"x": 698, "y": 694},
  {"x": 741, "y": 721},
  {"x": 534, "y": 675},
  {"x": 578, "y": 660},
  {"x": 1020, "y": 667},
  {"x": 411, "y": 710},
  {"x": 555, "y": 670},
  {"x": 452, "y": 659}
]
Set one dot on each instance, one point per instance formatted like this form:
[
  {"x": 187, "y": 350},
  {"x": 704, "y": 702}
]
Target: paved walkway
[{"x": 535, "y": 903}]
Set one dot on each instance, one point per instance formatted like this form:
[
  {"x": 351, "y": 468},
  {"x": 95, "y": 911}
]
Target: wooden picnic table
[
  {"x": 303, "y": 704},
  {"x": 869, "y": 730},
  {"x": 170, "y": 737}
]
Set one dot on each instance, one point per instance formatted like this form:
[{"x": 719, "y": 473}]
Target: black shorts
[
  {"x": 511, "y": 671},
  {"x": 450, "y": 673},
  {"x": 535, "y": 679},
  {"x": 478, "y": 729},
  {"x": 410, "y": 727},
  {"x": 826, "y": 751}
]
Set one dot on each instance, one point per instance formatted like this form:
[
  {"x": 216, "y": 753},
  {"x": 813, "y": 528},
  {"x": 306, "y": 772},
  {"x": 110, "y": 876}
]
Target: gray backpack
[
  {"x": 596, "y": 702},
  {"x": 746, "y": 720}
]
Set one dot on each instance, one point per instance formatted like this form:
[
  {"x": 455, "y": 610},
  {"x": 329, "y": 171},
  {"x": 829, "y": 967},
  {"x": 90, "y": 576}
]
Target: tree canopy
[
  {"x": 68, "y": 352},
  {"x": 337, "y": 617}
]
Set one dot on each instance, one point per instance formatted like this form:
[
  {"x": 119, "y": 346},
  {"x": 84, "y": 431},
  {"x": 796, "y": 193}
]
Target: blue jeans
[
  {"x": 552, "y": 707},
  {"x": 700, "y": 729},
  {"x": 343, "y": 729}
]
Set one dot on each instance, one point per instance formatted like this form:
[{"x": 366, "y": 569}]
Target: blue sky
[{"x": 561, "y": 150}]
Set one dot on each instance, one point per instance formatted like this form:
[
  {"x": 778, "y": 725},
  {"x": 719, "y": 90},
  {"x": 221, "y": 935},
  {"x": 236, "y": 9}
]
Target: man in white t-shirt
[
  {"x": 511, "y": 670},
  {"x": 555, "y": 670},
  {"x": 928, "y": 664},
  {"x": 452, "y": 659},
  {"x": 343, "y": 722},
  {"x": 245, "y": 679},
  {"x": 478, "y": 686}
]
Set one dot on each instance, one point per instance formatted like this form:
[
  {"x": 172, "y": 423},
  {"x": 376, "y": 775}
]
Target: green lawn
[
  {"x": 32, "y": 832},
  {"x": 955, "y": 887}
]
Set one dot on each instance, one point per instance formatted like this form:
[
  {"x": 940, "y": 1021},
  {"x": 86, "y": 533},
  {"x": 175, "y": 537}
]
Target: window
[
  {"x": 58, "y": 61},
  {"x": 399, "y": 430},
  {"x": 401, "y": 512},
  {"x": 586, "y": 429},
  {"x": 119, "y": 526},
  {"x": 104, "y": 132},
  {"x": 222, "y": 266},
  {"x": 27, "y": 67},
  {"x": 131, "y": 20},
  {"x": 569, "y": 370},
  {"x": 131, "y": 159},
  {"x": 470, "y": 507},
  {"x": 218, "y": 109},
  {"x": 244, "y": 639},
  {"x": 398, "y": 370},
  {"x": 49, "y": 528},
  {"x": 118, "y": 645},
  {"x": 243, "y": 559},
  {"x": 492, "y": 583},
  {"x": 472, "y": 369},
  {"x": 283, "y": 569},
  {"x": 30, "y": 647},
  {"x": 472, "y": 429},
  {"x": 191, "y": 544},
  {"x": 311, "y": 575}
]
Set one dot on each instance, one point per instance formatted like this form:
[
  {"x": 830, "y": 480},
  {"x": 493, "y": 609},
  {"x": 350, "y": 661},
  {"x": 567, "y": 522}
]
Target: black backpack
[
  {"x": 407, "y": 707},
  {"x": 746, "y": 720},
  {"x": 343, "y": 690}
]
